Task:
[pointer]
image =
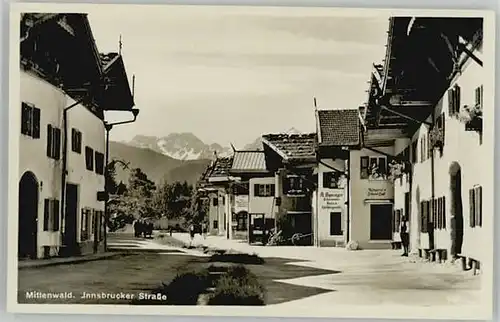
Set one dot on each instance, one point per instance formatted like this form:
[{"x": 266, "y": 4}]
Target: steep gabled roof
[
  {"x": 292, "y": 146},
  {"x": 249, "y": 161},
  {"x": 339, "y": 127}
]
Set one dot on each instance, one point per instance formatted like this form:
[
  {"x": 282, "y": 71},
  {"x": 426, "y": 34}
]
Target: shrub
[
  {"x": 238, "y": 258},
  {"x": 238, "y": 286},
  {"x": 185, "y": 288}
]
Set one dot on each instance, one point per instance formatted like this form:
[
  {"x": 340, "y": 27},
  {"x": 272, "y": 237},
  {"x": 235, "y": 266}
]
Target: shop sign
[
  {"x": 240, "y": 203},
  {"x": 331, "y": 199}
]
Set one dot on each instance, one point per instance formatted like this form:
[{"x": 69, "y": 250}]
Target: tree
[
  {"x": 174, "y": 200},
  {"x": 137, "y": 199},
  {"x": 110, "y": 179}
]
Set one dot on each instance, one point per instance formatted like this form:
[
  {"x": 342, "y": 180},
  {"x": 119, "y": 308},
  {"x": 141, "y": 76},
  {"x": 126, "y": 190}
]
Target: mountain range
[{"x": 175, "y": 157}]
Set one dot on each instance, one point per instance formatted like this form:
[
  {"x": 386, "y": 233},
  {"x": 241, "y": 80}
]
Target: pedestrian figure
[
  {"x": 405, "y": 237},
  {"x": 191, "y": 234},
  {"x": 136, "y": 224},
  {"x": 204, "y": 230}
]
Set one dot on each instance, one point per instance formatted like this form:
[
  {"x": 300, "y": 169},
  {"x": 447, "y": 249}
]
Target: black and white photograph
[{"x": 251, "y": 161}]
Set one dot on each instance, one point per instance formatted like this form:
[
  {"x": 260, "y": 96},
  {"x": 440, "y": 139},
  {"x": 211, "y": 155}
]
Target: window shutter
[
  {"x": 46, "y": 214},
  {"x": 36, "y": 123},
  {"x": 479, "y": 205},
  {"x": 457, "y": 99},
  {"x": 49, "y": 140},
  {"x": 364, "y": 161},
  {"x": 79, "y": 142},
  {"x": 55, "y": 217},
  {"x": 57, "y": 143},
  {"x": 25, "y": 115},
  {"x": 444, "y": 212},
  {"x": 256, "y": 190},
  {"x": 273, "y": 190},
  {"x": 450, "y": 102},
  {"x": 471, "y": 208}
]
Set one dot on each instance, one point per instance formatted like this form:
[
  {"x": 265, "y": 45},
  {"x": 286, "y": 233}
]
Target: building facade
[
  {"x": 431, "y": 109},
  {"x": 62, "y": 136}
]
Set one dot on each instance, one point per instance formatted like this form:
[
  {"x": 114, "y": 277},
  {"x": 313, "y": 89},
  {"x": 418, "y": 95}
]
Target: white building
[
  {"x": 419, "y": 100},
  {"x": 62, "y": 135}
]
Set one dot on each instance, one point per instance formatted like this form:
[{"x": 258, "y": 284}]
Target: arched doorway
[
  {"x": 456, "y": 209},
  {"x": 28, "y": 216}
]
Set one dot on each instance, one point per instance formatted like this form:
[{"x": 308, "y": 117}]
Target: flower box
[
  {"x": 472, "y": 117},
  {"x": 397, "y": 169}
]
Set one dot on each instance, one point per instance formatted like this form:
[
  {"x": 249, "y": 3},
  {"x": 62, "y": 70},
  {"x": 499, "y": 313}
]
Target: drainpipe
[{"x": 64, "y": 172}]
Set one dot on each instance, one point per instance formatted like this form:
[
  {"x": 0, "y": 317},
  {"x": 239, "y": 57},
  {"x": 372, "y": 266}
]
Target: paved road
[{"x": 368, "y": 277}]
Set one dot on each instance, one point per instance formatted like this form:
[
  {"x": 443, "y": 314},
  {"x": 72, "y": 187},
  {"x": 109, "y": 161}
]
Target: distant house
[
  {"x": 62, "y": 137},
  {"x": 249, "y": 190},
  {"x": 339, "y": 136},
  {"x": 216, "y": 186},
  {"x": 292, "y": 158}
]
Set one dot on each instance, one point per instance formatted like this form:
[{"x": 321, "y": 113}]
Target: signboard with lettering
[
  {"x": 240, "y": 203},
  {"x": 378, "y": 193},
  {"x": 331, "y": 199}
]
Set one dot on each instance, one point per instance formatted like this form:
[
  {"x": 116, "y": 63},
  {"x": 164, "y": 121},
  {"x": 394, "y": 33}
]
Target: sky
[{"x": 231, "y": 75}]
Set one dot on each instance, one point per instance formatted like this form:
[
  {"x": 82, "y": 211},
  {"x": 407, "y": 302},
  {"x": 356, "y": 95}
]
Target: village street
[{"x": 314, "y": 276}]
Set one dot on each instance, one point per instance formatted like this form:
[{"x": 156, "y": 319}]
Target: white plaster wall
[
  {"x": 462, "y": 147},
  {"x": 323, "y": 214},
  {"x": 33, "y": 156},
  {"x": 89, "y": 182},
  {"x": 359, "y": 208},
  {"x": 261, "y": 205},
  {"x": 33, "y": 152}
]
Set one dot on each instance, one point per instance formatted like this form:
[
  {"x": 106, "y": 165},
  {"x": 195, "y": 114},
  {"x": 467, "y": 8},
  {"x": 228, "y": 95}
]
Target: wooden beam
[{"x": 405, "y": 116}]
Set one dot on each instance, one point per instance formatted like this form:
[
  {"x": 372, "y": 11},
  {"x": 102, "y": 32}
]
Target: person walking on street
[
  {"x": 191, "y": 234},
  {"x": 405, "y": 237}
]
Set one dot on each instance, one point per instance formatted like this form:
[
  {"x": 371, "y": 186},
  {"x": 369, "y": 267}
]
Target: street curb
[{"x": 83, "y": 259}]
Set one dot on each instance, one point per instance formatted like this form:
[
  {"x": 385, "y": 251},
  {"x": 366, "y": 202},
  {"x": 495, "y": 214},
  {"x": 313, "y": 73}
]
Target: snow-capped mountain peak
[{"x": 181, "y": 146}]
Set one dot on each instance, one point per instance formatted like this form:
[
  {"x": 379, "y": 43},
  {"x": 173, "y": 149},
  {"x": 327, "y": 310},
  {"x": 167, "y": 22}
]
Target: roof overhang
[
  {"x": 415, "y": 77},
  {"x": 117, "y": 96}
]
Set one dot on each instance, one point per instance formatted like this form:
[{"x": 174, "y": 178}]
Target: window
[
  {"x": 454, "y": 100},
  {"x": 374, "y": 168},
  {"x": 241, "y": 188},
  {"x": 331, "y": 180},
  {"x": 51, "y": 215},
  {"x": 223, "y": 200},
  {"x": 99, "y": 163},
  {"x": 441, "y": 213},
  {"x": 476, "y": 207},
  {"x": 76, "y": 141},
  {"x": 424, "y": 215},
  {"x": 30, "y": 121},
  {"x": 89, "y": 158},
  {"x": 293, "y": 185},
  {"x": 85, "y": 226},
  {"x": 53, "y": 142},
  {"x": 336, "y": 224},
  {"x": 264, "y": 190},
  {"x": 241, "y": 221},
  {"x": 215, "y": 201},
  {"x": 216, "y": 224},
  {"x": 479, "y": 97}
]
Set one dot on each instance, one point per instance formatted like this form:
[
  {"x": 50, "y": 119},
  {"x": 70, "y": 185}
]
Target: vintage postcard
[{"x": 251, "y": 161}]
